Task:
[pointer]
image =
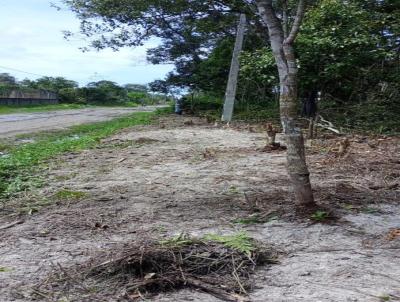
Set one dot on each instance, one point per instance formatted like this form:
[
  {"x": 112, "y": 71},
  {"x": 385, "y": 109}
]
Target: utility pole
[{"x": 230, "y": 93}]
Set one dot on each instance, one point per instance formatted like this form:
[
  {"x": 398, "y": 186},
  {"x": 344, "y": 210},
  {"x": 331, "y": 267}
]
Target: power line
[{"x": 18, "y": 70}]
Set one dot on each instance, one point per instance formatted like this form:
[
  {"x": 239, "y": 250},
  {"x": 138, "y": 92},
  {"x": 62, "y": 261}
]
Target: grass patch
[
  {"x": 18, "y": 168},
  {"x": 70, "y": 195},
  {"x": 38, "y": 108}
]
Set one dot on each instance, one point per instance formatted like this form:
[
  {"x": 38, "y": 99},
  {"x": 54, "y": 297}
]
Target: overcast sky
[{"x": 31, "y": 40}]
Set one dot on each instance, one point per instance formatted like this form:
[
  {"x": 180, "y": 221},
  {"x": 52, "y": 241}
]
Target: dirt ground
[
  {"x": 183, "y": 175},
  {"x": 18, "y": 123}
]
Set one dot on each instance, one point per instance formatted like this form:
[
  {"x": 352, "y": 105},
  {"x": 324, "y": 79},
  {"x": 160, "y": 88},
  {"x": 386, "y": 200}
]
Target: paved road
[{"x": 12, "y": 124}]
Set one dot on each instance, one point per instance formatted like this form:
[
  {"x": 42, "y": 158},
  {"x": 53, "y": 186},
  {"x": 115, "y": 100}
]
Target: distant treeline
[{"x": 95, "y": 93}]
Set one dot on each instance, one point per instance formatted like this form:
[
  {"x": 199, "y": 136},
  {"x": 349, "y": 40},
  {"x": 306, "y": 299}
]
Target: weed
[
  {"x": 320, "y": 216},
  {"x": 385, "y": 298},
  {"x": 239, "y": 241},
  {"x": 233, "y": 190},
  {"x": 5, "y": 269}
]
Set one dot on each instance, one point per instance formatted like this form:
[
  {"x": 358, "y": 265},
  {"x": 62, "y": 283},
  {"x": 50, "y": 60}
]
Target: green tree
[{"x": 104, "y": 92}]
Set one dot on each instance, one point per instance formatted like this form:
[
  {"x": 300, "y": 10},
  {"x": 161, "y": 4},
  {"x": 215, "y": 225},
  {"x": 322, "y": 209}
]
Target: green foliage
[
  {"x": 347, "y": 51},
  {"x": 335, "y": 46},
  {"x": 18, "y": 167},
  {"x": 210, "y": 107},
  {"x": 5, "y": 269},
  {"x": 385, "y": 298},
  {"x": 258, "y": 76},
  {"x": 239, "y": 241},
  {"x": 320, "y": 216},
  {"x": 211, "y": 74},
  {"x": 70, "y": 195},
  {"x": 105, "y": 93},
  {"x": 38, "y": 108},
  {"x": 177, "y": 241}
]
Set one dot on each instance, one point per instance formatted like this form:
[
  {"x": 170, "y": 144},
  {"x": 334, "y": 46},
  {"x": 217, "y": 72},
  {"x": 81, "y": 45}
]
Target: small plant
[
  {"x": 233, "y": 190},
  {"x": 240, "y": 241},
  {"x": 385, "y": 298},
  {"x": 320, "y": 216},
  {"x": 5, "y": 269}
]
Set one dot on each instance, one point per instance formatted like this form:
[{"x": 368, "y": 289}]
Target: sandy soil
[
  {"x": 176, "y": 177},
  {"x": 12, "y": 124}
]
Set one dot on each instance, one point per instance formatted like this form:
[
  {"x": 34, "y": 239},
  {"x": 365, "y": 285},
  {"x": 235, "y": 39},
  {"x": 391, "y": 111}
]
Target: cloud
[{"x": 31, "y": 40}]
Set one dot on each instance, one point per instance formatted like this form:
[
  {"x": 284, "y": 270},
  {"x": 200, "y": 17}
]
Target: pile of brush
[{"x": 219, "y": 265}]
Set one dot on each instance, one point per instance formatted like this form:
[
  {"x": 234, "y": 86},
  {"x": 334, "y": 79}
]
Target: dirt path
[
  {"x": 162, "y": 180},
  {"x": 12, "y": 124}
]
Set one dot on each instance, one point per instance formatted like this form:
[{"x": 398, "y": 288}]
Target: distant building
[{"x": 29, "y": 97}]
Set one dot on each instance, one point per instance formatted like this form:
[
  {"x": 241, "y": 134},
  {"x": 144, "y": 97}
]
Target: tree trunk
[
  {"x": 282, "y": 48},
  {"x": 296, "y": 159}
]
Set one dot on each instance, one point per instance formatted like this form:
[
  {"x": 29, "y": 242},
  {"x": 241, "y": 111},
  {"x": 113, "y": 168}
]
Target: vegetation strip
[
  {"x": 39, "y": 108},
  {"x": 21, "y": 162}
]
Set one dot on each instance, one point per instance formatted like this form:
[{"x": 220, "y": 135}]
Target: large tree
[{"x": 189, "y": 29}]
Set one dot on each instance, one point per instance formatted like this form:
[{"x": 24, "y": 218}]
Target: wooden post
[{"x": 230, "y": 94}]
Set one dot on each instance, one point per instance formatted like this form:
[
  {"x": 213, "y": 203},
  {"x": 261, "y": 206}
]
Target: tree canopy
[{"x": 347, "y": 49}]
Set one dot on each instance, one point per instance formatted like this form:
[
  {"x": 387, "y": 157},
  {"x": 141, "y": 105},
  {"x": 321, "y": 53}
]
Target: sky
[{"x": 31, "y": 40}]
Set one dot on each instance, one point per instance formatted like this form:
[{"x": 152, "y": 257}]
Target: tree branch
[
  {"x": 285, "y": 18},
  {"x": 301, "y": 8},
  {"x": 276, "y": 35}
]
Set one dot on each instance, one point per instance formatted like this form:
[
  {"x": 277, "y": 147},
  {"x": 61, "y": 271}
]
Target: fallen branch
[{"x": 328, "y": 125}]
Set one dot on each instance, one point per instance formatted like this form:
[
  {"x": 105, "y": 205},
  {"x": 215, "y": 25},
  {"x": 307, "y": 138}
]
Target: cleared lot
[{"x": 160, "y": 180}]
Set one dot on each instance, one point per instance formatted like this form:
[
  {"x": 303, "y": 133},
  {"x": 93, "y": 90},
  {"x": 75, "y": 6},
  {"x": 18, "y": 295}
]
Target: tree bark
[{"x": 287, "y": 67}]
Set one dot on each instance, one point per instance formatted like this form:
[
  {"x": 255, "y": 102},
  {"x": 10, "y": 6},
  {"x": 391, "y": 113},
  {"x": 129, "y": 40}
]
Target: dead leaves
[{"x": 393, "y": 235}]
